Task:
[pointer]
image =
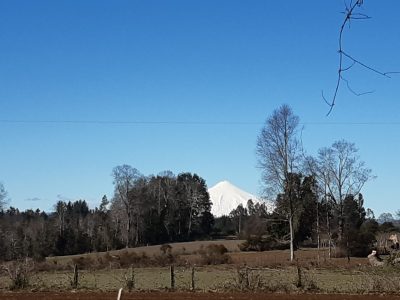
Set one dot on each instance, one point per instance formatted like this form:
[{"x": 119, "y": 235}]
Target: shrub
[
  {"x": 127, "y": 259},
  {"x": 83, "y": 262},
  {"x": 18, "y": 272},
  {"x": 166, "y": 249},
  {"x": 262, "y": 243},
  {"x": 394, "y": 258},
  {"x": 214, "y": 254},
  {"x": 357, "y": 243},
  {"x": 166, "y": 257}
]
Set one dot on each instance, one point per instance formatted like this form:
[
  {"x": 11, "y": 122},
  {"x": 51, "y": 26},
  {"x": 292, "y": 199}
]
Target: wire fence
[{"x": 216, "y": 278}]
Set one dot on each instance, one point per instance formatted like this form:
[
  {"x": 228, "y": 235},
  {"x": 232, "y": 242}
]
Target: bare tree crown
[{"x": 278, "y": 148}]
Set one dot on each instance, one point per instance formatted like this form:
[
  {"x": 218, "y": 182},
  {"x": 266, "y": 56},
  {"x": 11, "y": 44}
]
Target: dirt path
[{"x": 188, "y": 296}]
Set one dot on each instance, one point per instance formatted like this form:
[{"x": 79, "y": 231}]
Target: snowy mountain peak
[{"x": 225, "y": 197}]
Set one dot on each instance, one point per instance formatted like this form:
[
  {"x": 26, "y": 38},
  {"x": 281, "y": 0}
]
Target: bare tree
[
  {"x": 61, "y": 209},
  {"x": 319, "y": 172},
  {"x": 125, "y": 178},
  {"x": 385, "y": 218},
  {"x": 342, "y": 173},
  {"x": 278, "y": 157},
  {"x": 3, "y": 196}
]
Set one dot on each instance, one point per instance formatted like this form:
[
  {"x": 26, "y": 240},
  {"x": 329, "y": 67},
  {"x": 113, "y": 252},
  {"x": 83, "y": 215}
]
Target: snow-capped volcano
[{"x": 225, "y": 197}]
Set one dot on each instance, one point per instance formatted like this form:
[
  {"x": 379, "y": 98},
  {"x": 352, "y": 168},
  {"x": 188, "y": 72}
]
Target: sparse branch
[
  {"x": 356, "y": 61},
  {"x": 352, "y": 90},
  {"x": 350, "y": 14}
]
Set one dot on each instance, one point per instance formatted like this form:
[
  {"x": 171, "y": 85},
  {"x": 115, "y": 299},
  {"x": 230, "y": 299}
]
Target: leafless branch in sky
[{"x": 350, "y": 13}]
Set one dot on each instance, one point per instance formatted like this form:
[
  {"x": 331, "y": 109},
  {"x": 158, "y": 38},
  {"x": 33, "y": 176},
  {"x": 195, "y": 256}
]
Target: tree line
[{"x": 144, "y": 210}]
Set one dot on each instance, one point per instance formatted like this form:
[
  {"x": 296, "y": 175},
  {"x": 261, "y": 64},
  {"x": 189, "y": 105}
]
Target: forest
[
  {"x": 168, "y": 208},
  {"x": 145, "y": 210},
  {"x": 318, "y": 203}
]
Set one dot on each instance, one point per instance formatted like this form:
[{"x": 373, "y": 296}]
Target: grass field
[
  {"x": 269, "y": 271},
  {"x": 224, "y": 278},
  {"x": 188, "y": 251}
]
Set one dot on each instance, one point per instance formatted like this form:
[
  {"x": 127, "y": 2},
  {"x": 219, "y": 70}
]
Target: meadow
[{"x": 148, "y": 269}]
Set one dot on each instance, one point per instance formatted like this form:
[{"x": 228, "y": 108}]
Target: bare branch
[
  {"x": 349, "y": 67},
  {"x": 366, "y": 66},
  {"x": 350, "y": 14},
  {"x": 351, "y": 90}
]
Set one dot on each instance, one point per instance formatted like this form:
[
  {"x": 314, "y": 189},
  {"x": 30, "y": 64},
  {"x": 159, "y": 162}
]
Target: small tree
[
  {"x": 18, "y": 272},
  {"x": 278, "y": 153},
  {"x": 359, "y": 233}
]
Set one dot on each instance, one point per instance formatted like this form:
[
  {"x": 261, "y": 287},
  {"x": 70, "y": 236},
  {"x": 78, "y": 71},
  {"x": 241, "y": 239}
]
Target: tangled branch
[{"x": 350, "y": 14}]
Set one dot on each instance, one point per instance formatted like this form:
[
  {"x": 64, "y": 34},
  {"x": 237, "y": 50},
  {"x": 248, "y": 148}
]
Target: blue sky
[{"x": 199, "y": 78}]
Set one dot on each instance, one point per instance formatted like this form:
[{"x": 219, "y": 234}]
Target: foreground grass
[
  {"x": 269, "y": 271},
  {"x": 225, "y": 278}
]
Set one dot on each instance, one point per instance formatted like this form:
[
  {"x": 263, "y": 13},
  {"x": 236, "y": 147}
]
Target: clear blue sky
[{"x": 213, "y": 71}]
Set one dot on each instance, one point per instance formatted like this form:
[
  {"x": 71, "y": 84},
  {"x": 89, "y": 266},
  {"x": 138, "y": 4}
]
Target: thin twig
[{"x": 352, "y": 91}]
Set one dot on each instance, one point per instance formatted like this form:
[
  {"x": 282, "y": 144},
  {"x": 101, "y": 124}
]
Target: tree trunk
[
  {"x": 137, "y": 230},
  {"x": 318, "y": 237},
  {"x": 190, "y": 221},
  {"x": 328, "y": 224},
  {"x": 340, "y": 222},
  {"x": 128, "y": 230},
  {"x": 291, "y": 237},
  {"x": 240, "y": 224}
]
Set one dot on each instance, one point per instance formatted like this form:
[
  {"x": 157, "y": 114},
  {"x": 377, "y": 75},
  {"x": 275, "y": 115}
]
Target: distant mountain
[{"x": 225, "y": 197}]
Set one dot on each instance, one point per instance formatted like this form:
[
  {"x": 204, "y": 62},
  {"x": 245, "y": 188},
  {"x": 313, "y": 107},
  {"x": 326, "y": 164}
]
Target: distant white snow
[{"x": 225, "y": 197}]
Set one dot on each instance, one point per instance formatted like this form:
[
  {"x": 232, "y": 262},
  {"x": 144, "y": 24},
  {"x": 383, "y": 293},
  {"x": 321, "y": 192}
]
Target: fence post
[
  {"x": 75, "y": 280},
  {"x": 246, "y": 270},
  {"x": 192, "y": 280},
  {"x": 172, "y": 277},
  {"x": 299, "y": 282},
  {"x": 130, "y": 282}
]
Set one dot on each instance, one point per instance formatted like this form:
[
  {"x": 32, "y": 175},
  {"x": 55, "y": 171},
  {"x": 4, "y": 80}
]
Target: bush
[
  {"x": 127, "y": 259},
  {"x": 214, "y": 254},
  {"x": 262, "y": 243},
  {"x": 166, "y": 249},
  {"x": 357, "y": 243},
  {"x": 83, "y": 262},
  {"x": 394, "y": 258},
  {"x": 18, "y": 272},
  {"x": 166, "y": 257}
]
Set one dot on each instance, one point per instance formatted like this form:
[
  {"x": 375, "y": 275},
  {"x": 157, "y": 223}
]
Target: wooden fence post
[
  {"x": 246, "y": 270},
  {"x": 130, "y": 282},
  {"x": 75, "y": 280},
  {"x": 172, "y": 277},
  {"x": 299, "y": 282},
  {"x": 192, "y": 280}
]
